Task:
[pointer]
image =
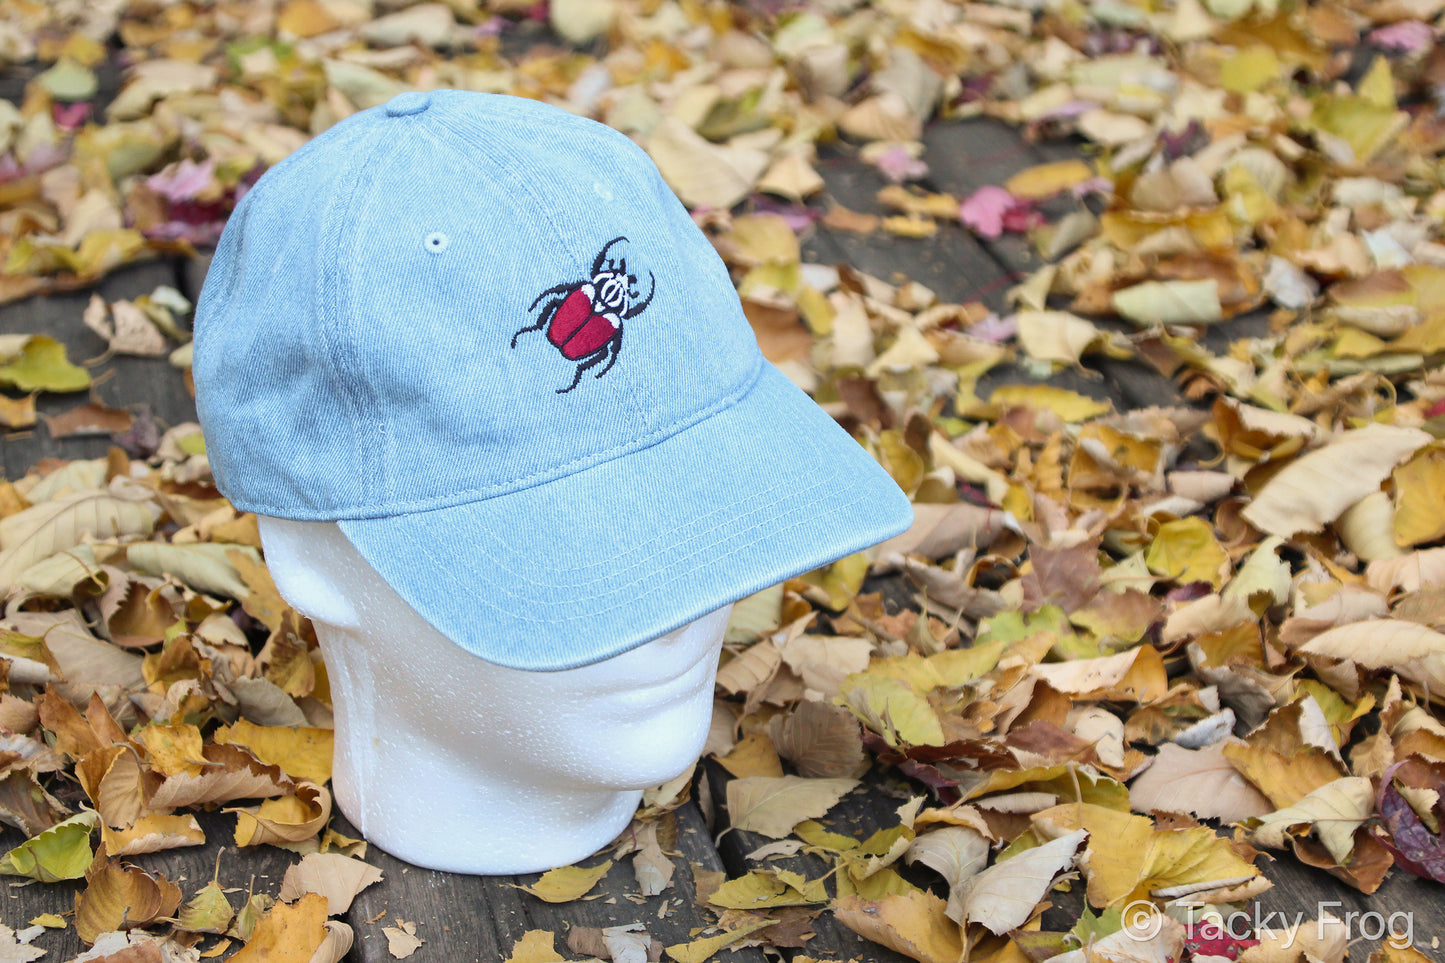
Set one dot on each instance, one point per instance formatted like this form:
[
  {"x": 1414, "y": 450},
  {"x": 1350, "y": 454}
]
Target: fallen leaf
[
  {"x": 401, "y": 939},
  {"x": 338, "y": 878},
  {"x": 913, "y": 924},
  {"x": 288, "y": 933},
  {"x": 1317, "y": 487},
  {"x": 1003, "y": 897},
  {"x": 773, "y": 806},
  {"x": 567, "y": 883}
]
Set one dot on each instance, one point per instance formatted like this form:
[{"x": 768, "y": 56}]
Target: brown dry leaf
[
  {"x": 1415, "y": 651},
  {"x": 1333, "y": 811},
  {"x": 820, "y": 740},
  {"x": 958, "y": 854},
  {"x": 1197, "y": 781},
  {"x": 286, "y": 819},
  {"x": 1316, "y": 488},
  {"x": 772, "y": 806},
  {"x": 1137, "y": 675},
  {"x": 288, "y": 933},
  {"x": 234, "y": 774},
  {"x": 338, "y": 878},
  {"x": 938, "y": 531},
  {"x": 61, "y": 523},
  {"x": 401, "y": 939},
  {"x": 118, "y": 896},
  {"x": 91, "y": 419},
  {"x": 913, "y": 924},
  {"x": 17, "y": 412}
]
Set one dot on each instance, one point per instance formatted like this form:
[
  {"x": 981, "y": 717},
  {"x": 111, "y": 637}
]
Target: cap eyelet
[{"x": 436, "y": 242}]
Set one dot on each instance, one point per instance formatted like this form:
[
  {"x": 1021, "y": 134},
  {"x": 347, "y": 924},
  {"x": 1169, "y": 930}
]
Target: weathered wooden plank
[
  {"x": 952, "y": 262},
  {"x": 482, "y": 917},
  {"x": 138, "y": 384}
]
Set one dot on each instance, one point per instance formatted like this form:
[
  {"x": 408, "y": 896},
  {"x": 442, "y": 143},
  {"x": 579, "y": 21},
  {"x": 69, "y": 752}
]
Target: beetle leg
[
  {"x": 592, "y": 359},
  {"x": 559, "y": 289},
  {"x": 614, "y": 348},
  {"x": 542, "y": 320}
]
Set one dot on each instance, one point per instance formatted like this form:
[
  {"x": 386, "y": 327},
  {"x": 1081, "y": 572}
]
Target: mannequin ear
[{"x": 308, "y": 562}]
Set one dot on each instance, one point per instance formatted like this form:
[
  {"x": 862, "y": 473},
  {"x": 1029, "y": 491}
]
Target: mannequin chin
[{"x": 454, "y": 763}]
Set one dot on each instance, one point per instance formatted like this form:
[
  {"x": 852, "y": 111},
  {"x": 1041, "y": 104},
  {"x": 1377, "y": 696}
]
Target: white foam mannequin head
[{"x": 454, "y": 763}]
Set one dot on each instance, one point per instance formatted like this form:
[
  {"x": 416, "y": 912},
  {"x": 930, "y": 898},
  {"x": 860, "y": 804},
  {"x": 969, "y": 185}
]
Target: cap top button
[{"x": 410, "y": 102}]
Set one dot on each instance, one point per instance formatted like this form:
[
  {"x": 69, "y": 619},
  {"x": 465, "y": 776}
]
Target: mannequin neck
[{"x": 469, "y": 818}]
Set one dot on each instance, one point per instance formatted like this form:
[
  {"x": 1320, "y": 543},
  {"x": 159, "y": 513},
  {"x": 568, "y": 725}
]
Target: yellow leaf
[
  {"x": 761, "y": 239},
  {"x": 302, "y": 752},
  {"x": 707, "y": 947},
  {"x": 841, "y": 580},
  {"x": 567, "y": 883},
  {"x": 1249, "y": 69},
  {"x": 172, "y": 750},
  {"x": 42, "y": 366},
  {"x": 1186, "y": 550},
  {"x": 152, "y": 834},
  {"x": 892, "y": 709},
  {"x": 1128, "y": 857},
  {"x": 289, "y": 933},
  {"x": 60, "y": 852},
  {"x": 761, "y": 889},
  {"x": 910, "y": 225},
  {"x": 536, "y": 946},
  {"x": 753, "y": 755},
  {"x": 915, "y": 924},
  {"x": 1046, "y": 180},
  {"x": 1070, "y": 406},
  {"x": 1420, "y": 497},
  {"x": 287, "y": 819}
]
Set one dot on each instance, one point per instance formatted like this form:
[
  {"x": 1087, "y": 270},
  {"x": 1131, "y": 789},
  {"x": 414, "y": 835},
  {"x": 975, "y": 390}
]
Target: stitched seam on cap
[
  {"x": 365, "y": 409},
  {"x": 507, "y": 166},
  {"x": 464, "y": 495}
]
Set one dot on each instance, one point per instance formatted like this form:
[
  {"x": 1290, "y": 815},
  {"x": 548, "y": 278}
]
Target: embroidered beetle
[{"x": 584, "y": 320}]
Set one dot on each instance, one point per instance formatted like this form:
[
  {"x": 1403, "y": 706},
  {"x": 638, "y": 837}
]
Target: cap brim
[{"x": 584, "y": 567}]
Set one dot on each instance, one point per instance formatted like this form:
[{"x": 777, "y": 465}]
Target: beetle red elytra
[{"x": 583, "y": 319}]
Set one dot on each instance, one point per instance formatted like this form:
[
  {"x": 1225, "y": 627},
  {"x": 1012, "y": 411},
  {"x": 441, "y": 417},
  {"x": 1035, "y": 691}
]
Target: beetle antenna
[{"x": 598, "y": 264}]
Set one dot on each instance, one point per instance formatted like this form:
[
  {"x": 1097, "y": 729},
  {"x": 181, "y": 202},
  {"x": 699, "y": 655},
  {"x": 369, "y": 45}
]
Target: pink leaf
[
  {"x": 1408, "y": 36},
  {"x": 182, "y": 181},
  {"x": 984, "y": 210},
  {"x": 898, "y": 165}
]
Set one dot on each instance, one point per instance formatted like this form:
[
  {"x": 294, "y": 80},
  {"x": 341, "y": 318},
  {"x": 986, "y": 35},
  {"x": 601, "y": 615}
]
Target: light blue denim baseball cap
[{"x": 483, "y": 335}]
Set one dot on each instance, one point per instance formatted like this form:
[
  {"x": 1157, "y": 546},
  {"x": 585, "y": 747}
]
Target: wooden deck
[{"x": 475, "y": 918}]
